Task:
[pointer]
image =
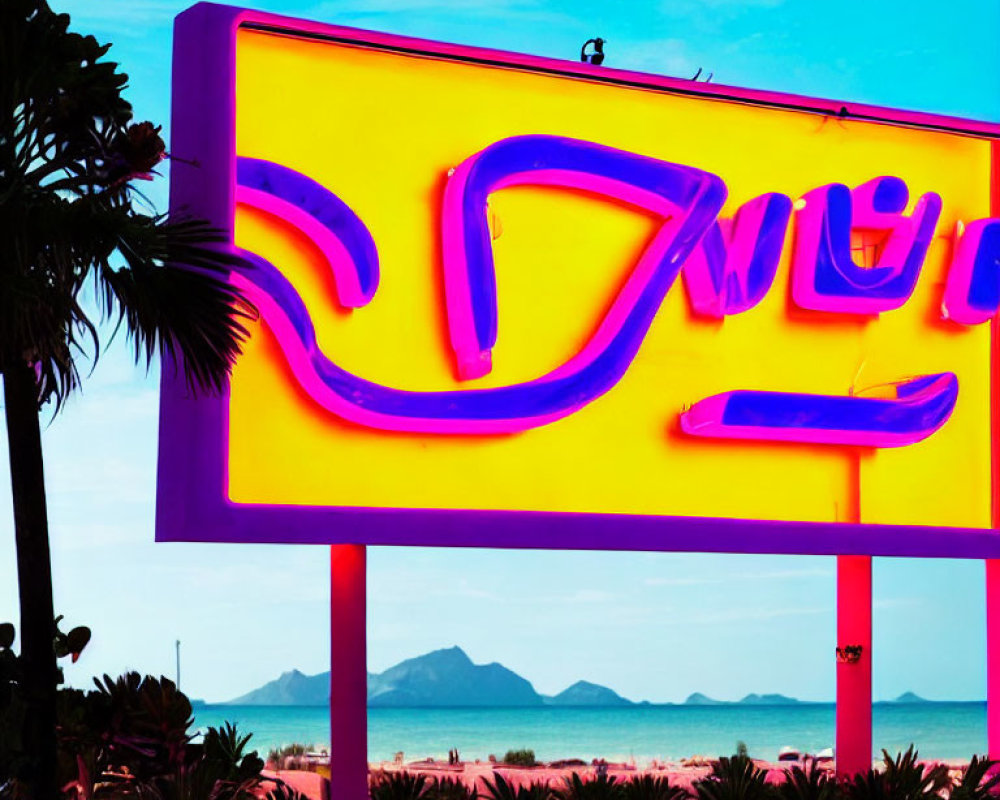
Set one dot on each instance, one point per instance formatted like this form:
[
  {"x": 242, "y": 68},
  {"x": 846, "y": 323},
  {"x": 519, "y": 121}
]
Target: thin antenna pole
[{"x": 177, "y": 645}]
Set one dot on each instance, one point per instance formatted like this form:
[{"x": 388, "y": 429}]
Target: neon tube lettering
[
  {"x": 734, "y": 266},
  {"x": 728, "y": 265},
  {"x": 687, "y": 198},
  {"x": 972, "y": 293},
  {"x": 824, "y": 275}
]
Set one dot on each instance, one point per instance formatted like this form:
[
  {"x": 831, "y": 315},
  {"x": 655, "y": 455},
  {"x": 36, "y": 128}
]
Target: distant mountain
[
  {"x": 768, "y": 700},
  {"x": 910, "y": 697},
  {"x": 449, "y": 678},
  {"x": 698, "y": 699},
  {"x": 584, "y": 693},
  {"x": 291, "y": 689},
  {"x": 440, "y": 678}
]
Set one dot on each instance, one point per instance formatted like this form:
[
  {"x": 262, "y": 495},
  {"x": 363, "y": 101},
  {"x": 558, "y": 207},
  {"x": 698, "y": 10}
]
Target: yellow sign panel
[{"x": 382, "y": 130}]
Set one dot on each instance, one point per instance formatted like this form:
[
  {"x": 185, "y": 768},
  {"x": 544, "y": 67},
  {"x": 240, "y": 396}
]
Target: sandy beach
[
  {"x": 476, "y": 773},
  {"x": 310, "y": 783},
  {"x": 682, "y": 773}
]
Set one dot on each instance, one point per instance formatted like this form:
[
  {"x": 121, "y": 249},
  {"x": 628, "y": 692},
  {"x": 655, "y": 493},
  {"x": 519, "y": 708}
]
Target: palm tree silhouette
[{"x": 70, "y": 216}]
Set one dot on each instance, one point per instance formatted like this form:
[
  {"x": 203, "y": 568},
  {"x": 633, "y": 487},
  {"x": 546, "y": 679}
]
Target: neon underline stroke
[{"x": 921, "y": 406}]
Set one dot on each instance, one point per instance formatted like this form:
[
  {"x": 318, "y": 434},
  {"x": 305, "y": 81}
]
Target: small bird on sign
[{"x": 597, "y": 57}]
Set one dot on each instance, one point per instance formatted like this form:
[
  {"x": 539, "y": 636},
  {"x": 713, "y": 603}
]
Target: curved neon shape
[
  {"x": 921, "y": 406},
  {"x": 470, "y": 277},
  {"x": 972, "y": 293},
  {"x": 327, "y": 220},
  {"x": 729, "y": 272},
  {"x": 734, "y": 266},
  {"x": 688, "y": 198},
  {"x": 824, "y": 275}
]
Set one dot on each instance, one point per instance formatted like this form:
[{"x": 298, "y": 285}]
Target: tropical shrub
[
  {"x": 868, "y": 785},
  {"x": 735, "y": 778},
  {"x": 402, "y": 785},
  {"x": 811, "y": 783},
  {"x": 282, "y": 791},
  {"x": 520, "y": 758},
  {"x": 907, "y": 779},
  {"x": 902, "y": 778},
  {"x": 451, "y": 789},
  {"x": 13, "y": 707},
  {"x": 283, "y": 757},
  {"x": 601, "y": 787},
  {"x": 225, "y": 756},
  {"x": 979, "y": 781},
  {"x": 651, "y": 787},
  {"x": 502, "y": 789},
  {"x": 218, "y": 768},
  {"x": 128, "y": 738},
  {"x": 397, "y": 786}
]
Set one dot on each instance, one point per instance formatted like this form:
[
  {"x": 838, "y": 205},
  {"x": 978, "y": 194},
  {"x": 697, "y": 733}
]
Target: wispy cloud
[
  {"x": 86, "y": 535},
  {"x": 754, "y": 614},
  {"x": 451, "y": 11},
  {"x": 112, "y": 405},
  {"x": 695, "y": 8},
  {"x": 680, "y": 581},
  {"x": 401, "y": 6},
  {"x": 464, "y": 588},
  {"x": 287, "y": 583},
  {"x": 128, "y": 17},
  {"x": 403, "y": 585},
  {"x": 588, "y": 596},
  {"x": 887, "y": 603},
  {"x": 783, "y": 574},
  {"x": 660, "y": 56},
  {"x": 767, "y": 575}
]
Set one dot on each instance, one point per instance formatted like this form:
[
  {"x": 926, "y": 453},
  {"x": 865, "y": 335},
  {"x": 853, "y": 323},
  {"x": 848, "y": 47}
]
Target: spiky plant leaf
[
  {"x": 282, "y": 791},
  {"x": 651, "y": 787},
  {"x": 736, "y": 778},
  {"x": 979, "y": 780},
  {"x": 502, "y": 789},
  {"x": 397, "y": 786},
  {"x": 868, "y": 785},
  {"x": 445, "y": 788},
  {"x": 811, "y": 783},
  {"x": 907, "y": 779},
  {"x": 601, "y": 787}
]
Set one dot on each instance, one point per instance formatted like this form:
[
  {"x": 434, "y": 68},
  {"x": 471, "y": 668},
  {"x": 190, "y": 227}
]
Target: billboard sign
[{"x": 511, "y": 301}]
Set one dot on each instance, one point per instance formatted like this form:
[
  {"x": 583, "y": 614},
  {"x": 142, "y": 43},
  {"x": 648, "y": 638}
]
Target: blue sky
[{"x": 652, "y": 626}]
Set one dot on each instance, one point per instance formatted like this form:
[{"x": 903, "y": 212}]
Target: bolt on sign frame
[{"x": 508, "y": 301}]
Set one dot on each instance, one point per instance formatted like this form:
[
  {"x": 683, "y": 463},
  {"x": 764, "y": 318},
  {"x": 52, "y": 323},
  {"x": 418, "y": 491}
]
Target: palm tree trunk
[{"x": 34, "y": 579}]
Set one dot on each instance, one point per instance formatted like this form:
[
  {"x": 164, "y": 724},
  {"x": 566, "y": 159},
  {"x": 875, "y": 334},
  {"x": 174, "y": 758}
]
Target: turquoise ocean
[{"x": 939, "y": 730}]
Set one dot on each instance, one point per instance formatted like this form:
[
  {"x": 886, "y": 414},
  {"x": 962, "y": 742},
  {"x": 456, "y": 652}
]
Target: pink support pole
[
  {"x": 993, "y": 657},
  {"x": 854, "y": 680},
  {"x": 348, "y": 674}
]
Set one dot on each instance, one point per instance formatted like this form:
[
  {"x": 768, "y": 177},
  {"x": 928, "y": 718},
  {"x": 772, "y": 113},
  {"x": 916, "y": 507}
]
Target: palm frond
[{"x": 173, "y": 296}]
